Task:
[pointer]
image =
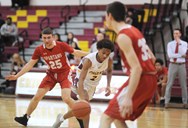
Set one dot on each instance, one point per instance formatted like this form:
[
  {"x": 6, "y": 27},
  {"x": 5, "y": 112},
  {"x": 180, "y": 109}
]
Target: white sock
[
  {"x": 62, "y": 118},
  {"x": 28, "y": 117}
]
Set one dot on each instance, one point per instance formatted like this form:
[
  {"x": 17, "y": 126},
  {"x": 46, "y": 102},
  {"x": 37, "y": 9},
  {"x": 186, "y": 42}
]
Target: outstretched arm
[
  {"x": 25, "y": 69},
  {"x": 79, "y": 53}
]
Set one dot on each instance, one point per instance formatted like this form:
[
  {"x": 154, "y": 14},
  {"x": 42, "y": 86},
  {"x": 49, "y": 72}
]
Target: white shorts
[{"x": 90, "y": 90}]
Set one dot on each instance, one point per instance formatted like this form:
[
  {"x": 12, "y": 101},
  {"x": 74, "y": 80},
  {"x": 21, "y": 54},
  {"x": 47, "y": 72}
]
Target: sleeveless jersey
[
  {"x": 141, "y": 49},
  {"x": 55, "y": 58},
  {"x": 94, "y": 73}
]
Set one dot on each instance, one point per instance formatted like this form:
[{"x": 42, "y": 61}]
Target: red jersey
[
  {"x": 140, "y": 48},
  {"x": 161, "y": 73},
  {"x": 55, "y": 58}
]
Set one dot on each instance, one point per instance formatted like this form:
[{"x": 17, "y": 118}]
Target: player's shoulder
[{"x": 40, "y": 47}]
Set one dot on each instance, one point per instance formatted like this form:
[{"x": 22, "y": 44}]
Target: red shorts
[
  {"x": 50, "y": 80},
  {"x": 142, "y": 96}
]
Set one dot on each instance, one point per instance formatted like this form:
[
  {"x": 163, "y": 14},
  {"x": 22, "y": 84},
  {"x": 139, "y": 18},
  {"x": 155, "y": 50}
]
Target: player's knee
[
  {"x": 66, "y": 99},
  {"x": 37, "y": 98}
]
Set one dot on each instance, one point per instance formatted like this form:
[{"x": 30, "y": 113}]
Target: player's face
[
  {"x": 158, "y": 66},
  {"x": 103, "y": 54},
  {"x": 48, "y": 40}
]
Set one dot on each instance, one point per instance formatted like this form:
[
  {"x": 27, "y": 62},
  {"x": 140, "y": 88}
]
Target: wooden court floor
[{"x": 47, "y": 110}]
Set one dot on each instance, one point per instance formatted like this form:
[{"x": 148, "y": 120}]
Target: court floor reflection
[{"x": 47, "y": 110}]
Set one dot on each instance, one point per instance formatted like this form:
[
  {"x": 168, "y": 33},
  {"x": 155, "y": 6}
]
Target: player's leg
[
  {"x": 66, "y": 97},
  {"x": 46, "y": 85},
  {"x": 32, "y": 105},
  {"x": 84, "y": 123},
  {"x": 120, "y": 124},
  {"x": 105, "y": 121}
]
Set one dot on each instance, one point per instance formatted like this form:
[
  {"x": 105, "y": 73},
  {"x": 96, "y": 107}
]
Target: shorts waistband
[
  {"x": 149, "y": 73},
  {"x": 177, "y": 63}
]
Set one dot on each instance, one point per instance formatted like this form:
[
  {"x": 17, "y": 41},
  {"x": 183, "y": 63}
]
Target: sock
[
  {"x": 27, "y": 116},
  {"x": 62, "y": 118}
]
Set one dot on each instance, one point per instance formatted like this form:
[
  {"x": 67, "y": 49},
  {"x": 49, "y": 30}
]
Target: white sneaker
[{"x": 58, "y": 121}]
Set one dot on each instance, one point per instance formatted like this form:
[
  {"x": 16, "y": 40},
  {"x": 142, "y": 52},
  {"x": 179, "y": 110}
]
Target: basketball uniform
[
  {"x": 93, "y": 76},
  {"x": 58, "y": 65},
  {"x": 147, "y": 84}
]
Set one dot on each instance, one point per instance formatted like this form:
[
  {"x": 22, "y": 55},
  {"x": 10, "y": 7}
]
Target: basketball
[{"x": 81, "y": 109}]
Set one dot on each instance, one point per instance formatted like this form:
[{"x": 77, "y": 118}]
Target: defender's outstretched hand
[{"x": 11, "y": 77}]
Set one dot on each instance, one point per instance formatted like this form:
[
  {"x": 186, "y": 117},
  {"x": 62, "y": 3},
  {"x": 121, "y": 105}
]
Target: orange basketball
[{"x": 81, "y": 109}]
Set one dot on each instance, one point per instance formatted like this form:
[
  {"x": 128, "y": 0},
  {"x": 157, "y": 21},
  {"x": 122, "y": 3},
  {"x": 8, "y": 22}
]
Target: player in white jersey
[{"x": 88, "y": 75}]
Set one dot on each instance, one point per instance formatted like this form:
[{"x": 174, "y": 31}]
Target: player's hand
[
  {"x": 11, "y": 77},
  {"x": 126, "y": 109},
  {"x": 107, "y": 91},
  {"x": 86, "y": 96},
  {"x": 83, "y": 95}
]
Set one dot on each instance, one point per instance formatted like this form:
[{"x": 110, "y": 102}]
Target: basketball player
[
  {"x": 88, "y": 75},
  {"x": 134, "y": 95},
  {"x": 53, "y": 53}
]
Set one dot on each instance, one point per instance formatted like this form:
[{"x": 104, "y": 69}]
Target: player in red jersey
[
  {"x": 138, "y": 60},
  {"x": 162, "y": 77},
  {"x": 53, "y": 53}
]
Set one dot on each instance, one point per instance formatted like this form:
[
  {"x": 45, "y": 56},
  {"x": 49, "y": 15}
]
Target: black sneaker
[
  {"x": 22, "y": 120},
  {"x": 162, "y": 102}
]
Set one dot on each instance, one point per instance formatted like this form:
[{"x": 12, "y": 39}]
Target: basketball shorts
[
  {"x": 142, "y": 96},
  {"x": 90, "y": 89},
  {"x": 63, "y": 78}
]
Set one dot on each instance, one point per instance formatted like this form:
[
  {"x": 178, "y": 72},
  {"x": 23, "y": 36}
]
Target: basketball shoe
[
  {"x": 58, "y": 121},
  {"x": 22, "y": 120}
]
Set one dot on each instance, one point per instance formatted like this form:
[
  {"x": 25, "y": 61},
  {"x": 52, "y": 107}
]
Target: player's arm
[
  {"x": 81, "y": 92},
  {"x": 125, "y": 45},
  {"x": 79, "y": 53},
  {"x": 109, "y": 76},
  {"x": 25, "y": 69},
  {"x": 164, "y": 80}
]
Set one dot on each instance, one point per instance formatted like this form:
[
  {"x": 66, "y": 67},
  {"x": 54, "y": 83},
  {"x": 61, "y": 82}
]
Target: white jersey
[{"x": 94, "y": 73}]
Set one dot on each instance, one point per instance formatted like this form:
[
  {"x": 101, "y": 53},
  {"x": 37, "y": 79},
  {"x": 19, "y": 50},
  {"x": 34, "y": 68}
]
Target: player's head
[
  {"x": 115, "y": 11},
  {"x": 158, "y": 64},
  {"x": 47, "y": 37},
  {"x": 105, "y": 47}
]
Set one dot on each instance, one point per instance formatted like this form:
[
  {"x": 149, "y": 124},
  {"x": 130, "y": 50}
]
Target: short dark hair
[
  {"x": 118, "y": 11},
  {"x": 47, "y": 30},
  {"x": 105, "y": 43},
  {"x": 177, "y": 29},
  {"x": 9, "y": 18},
  {"x": 160, "y": 61}
]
